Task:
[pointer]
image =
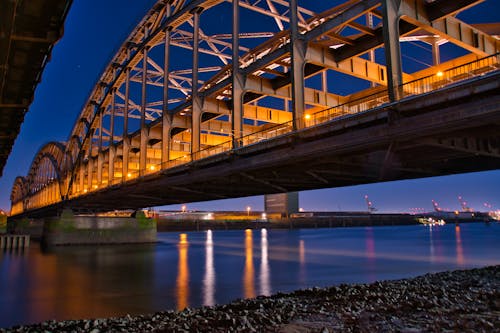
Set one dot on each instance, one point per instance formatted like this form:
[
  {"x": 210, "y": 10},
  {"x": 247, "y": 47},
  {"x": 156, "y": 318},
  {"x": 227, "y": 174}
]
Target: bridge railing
[
  {"x": 415, "y": 87},
  {"x": 266, "y": 134},
  {"x": 442, "y": 79},
  {"x": 212, "y": 150},
  {"x": 177, "y": 161},
  {"x": 352, "y": 107}
]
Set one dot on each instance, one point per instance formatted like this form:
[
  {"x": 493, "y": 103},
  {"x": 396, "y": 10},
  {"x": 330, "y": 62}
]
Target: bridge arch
[
  {"x": 46, "y": 178},
  {"x": 18, "y": 195}
]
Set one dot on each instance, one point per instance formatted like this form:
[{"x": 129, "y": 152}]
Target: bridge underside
[
  {"x": 423, "y": 136},
  {"x": 28, "y": 30}
]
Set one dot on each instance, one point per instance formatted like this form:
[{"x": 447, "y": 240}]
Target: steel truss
[{"x": 151, "y": 109}]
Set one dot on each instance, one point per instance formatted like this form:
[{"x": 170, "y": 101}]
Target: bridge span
[{"x": 260, "y": 112}]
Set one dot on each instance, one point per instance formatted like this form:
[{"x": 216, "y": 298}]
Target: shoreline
[
  {"x": 457, "y": 301},
  {"x": 288, "y": 223},
  {"x": 298, "y": 223}
]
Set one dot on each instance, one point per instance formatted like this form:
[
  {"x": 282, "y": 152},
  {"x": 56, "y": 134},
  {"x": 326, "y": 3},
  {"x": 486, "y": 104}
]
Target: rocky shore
[{"x": 459, "y": 301}]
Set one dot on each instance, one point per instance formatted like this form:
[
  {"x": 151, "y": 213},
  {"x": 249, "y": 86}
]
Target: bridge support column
[
  {"x": 111, "y": 145},
  {"x": 126, "y": 139},
  {"x": 390, "y": 9},
  {"x": 238, "y": 80},
  {"x": 144, "y": 130},
  {"x": 196, "y": 100},
  {"x": 100, "y": 155},
  {"x": 100, "y": 164},
  {"x": 71, "y": 229},
  {"x": 166, "y": 117},
  {"x": 90, "y": 171},
  {"x": 111, "y": 164},
  {"x": 436, "y": 58},
  {"x": 298, "y": 53}
]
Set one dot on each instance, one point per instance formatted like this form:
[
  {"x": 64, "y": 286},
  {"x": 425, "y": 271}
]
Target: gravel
[{"x": 459, "y": 301}]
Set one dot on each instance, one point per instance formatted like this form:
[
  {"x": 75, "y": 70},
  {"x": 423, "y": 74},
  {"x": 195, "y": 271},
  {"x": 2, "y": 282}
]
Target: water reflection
[
  {"x": 102, "y": 281},
  {"x": 265, "y": 286},
  {"x": 248, "y": 276},
  {"x": 302, "y": 261},
  {"x": 209, "y": 279},
  {"x": 183, "y": 273},
  {"x": 458, "y": 240},
  {"x": 370, "y": 252},
  {"x": 436, "y": 254},
  {"x": 431, "y": 246}
]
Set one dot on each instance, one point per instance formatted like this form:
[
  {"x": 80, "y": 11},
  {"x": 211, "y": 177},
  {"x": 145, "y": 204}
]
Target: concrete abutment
[{"x": 70, "y": 229}]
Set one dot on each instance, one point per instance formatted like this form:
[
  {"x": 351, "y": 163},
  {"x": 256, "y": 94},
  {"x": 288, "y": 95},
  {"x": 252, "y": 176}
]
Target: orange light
[
  {"x": 85, "y": 191},
  {"x": 95, "y": 186},
  {"x": 307, "y": 116},
  {"x": 129, "y": 175},
  {"x": 183, "y": 239},
  {"x": 439, "y": 74},
  {"x": 152, "y": 168}
]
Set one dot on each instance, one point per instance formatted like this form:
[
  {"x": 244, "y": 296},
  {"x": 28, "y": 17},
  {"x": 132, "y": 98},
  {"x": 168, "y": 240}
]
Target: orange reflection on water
[
  {"x": 183, "y": 273},
  {"x": 302, "y": 252},
  {"x": 248, "y": 280},
  {"x": 460, "y": 250}
]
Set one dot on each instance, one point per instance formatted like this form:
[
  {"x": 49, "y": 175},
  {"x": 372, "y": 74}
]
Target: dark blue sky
[{"x": 93, "y": 32}]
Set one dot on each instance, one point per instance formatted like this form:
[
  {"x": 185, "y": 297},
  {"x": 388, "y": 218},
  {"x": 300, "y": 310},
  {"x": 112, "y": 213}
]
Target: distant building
[{"x": 282, "y": 203}]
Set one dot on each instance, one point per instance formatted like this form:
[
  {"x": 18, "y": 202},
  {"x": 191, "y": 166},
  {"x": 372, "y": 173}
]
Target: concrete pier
[
  {"x": 14, "y": 241},
  {"x": 71, "y": 229},
  {"x": 68, "y": 228}
]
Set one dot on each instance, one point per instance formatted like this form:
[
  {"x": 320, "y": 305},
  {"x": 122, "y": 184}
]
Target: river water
[{"x": 214, "y": 267}]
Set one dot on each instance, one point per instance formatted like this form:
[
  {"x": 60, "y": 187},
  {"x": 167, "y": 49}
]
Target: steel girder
[{"x": 147, "y": 112}]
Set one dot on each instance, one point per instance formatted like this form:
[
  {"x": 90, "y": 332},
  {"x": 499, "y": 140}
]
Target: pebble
[{"x": 459, "y": 301}]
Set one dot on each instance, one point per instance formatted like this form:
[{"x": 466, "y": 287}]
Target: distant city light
[
  {"x": 264, "y": 216},
  {"x": 183, "y": 208},
  {"x": 248, "y": 210}
]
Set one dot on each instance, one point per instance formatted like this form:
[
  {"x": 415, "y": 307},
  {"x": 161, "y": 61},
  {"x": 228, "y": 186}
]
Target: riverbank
[
  {"x": 333, "y": 221},
  {"x": 458, "y": 301}
]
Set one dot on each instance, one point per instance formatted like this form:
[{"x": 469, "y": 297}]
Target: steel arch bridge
[{"x": 194, "y": 80}]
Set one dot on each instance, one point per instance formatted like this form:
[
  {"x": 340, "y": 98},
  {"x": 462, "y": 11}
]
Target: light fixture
[{"x": 439, "y": 74}]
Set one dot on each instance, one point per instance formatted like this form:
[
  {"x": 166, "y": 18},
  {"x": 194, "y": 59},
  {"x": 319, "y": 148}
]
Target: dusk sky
[{"x": 94, "y": 30}]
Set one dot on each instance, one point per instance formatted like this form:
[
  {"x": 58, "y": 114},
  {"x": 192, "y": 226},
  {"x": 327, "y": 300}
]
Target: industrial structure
[{"x": 323, "y": 97}]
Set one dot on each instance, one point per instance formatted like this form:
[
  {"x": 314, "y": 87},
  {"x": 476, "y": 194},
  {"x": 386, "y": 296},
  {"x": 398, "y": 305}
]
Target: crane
[
  {"x": 369, "y": 204},
  {"x": 463, "y": 203},
  {"x": 436, "y": 206}
]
